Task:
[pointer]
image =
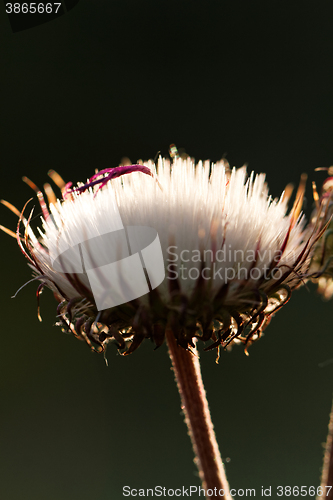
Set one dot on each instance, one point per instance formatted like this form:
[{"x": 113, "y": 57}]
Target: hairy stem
[
  {"x": 194, "y": 403},
  {"x": 327, "y": 473}
]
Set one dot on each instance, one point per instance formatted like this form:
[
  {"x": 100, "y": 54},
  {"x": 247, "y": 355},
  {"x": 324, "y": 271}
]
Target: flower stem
[
  {"x": 327, "y": 473},
  {"x": 194, "y": 403}
]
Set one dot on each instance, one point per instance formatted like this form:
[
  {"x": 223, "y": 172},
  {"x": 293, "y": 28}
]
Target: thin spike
[
  {"x": 297, "y": 207},
  {"x": 329, "y": 170},
  {"x": 18, "y": 236},
  {"x": 8, "y": 231},
  {"x": 11, "y": 207},
  {"x": 43, "y": 206},
  {"x": 112, "y": 173},
  {"x": 288, "y": 192},
  {"x": 16, "y": 212},
  {"x": 26, "y": 231},
  {"x": 51, "y": 197},
  {"x": 315, "y": 195},
  {"x": 57, "y": 179},
  {"x": 31, "y": 184},
  {"x": 27, "y": 283},
  {"x": 38, "y": 294}
]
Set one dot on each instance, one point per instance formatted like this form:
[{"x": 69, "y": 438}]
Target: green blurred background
[{"x": 252, "y": 79}]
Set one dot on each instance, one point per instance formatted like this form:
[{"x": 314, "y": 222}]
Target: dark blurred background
[{"x": 249, "y": 79}]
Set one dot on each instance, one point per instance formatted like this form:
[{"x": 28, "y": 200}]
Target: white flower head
[{"x": 231, "y": 254}]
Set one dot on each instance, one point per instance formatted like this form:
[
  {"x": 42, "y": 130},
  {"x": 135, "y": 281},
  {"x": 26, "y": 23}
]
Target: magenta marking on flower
[
  {"x": 67, "y": 190},
  {"x": 112, "y": 172}
]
